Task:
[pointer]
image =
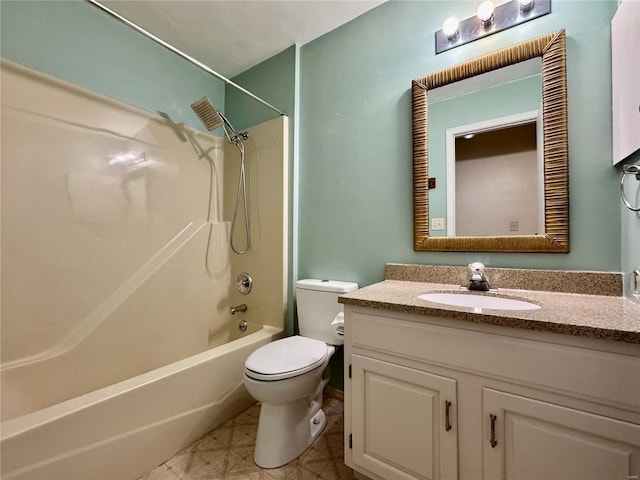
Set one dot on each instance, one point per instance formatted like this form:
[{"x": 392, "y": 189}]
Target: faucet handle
[
  {"x": 244, "y": 283},
  {"x": 478, "y": 281},
  {"x": 477, "y": 270}
]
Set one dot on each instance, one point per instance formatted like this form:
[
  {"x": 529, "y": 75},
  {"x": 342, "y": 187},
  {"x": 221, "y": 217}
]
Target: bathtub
[{"x": 126, "y": 429}]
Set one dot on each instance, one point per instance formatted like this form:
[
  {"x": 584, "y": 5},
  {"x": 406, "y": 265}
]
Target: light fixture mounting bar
[{"x": 505, "y": 16}]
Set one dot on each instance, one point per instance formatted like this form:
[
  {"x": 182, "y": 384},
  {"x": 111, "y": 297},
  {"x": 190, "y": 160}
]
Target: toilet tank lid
[{"x": 326, "y": 285}]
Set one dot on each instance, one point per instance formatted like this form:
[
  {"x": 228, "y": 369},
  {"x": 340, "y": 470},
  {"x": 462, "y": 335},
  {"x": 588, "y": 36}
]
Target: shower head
[
  {"x": 212, "y": 119},
  {"x": 207, "y": 113}
]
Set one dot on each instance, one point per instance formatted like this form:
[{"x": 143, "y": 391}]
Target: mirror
[
  {"x": 485, "y": 127},
  {"x": 536, "y": 216}
]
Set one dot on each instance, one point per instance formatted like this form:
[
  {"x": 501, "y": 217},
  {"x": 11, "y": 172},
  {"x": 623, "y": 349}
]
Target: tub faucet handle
[
  {"x": 244, "y": 283},
  {"x": 239, "y": 308}
]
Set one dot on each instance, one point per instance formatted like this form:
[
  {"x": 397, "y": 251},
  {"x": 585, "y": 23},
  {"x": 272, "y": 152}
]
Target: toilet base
[
  {"x": 285, "y": 432},
  {"x": 287, "y": 427},
  {"x": 317, "y": 423}
]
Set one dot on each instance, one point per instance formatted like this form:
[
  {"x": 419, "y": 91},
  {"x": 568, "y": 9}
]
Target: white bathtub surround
[
  {"x": 117, "y": 279},
  {"x": 122, "y": 430}
]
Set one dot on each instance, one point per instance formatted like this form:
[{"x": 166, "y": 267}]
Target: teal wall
[
  {"x": 518, "y": 96},
  {"x": 76, "y": 42},
  {"x": 355, "y": 151},
  {"x": 355, "y": 179},
  {"x": 272, "y": 80}
]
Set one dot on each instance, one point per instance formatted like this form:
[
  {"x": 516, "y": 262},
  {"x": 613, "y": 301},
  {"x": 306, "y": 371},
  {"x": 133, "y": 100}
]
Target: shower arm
[
  {"x": 235, "y": 135},
  {"x": 189, "y": 58}
]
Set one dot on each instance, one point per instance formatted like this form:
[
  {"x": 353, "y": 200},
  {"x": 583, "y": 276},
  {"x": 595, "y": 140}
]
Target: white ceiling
[{"x": 231, "y": 36}]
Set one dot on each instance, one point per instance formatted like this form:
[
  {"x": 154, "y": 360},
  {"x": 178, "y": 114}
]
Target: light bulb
[
  {"x": 450, "y": 27},
  {"x": 485, "y": 12},
  {"x": 526, "y": 5}
]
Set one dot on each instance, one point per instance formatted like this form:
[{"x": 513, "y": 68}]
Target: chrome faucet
[
  {"x": 239, "y": 308},
  {"x": 478, "y": 281}
]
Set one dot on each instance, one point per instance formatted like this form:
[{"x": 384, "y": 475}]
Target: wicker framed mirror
[{"x": 555, "y": 239}]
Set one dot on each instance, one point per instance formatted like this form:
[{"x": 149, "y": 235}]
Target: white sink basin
[{"x": 478, "y": 301}]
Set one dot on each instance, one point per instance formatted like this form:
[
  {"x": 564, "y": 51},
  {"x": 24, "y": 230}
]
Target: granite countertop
[{"x": 596, "y": 316}]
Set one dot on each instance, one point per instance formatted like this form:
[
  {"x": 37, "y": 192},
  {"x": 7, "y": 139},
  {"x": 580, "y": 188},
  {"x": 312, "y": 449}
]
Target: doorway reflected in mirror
[{"x": 496, "y": 183}]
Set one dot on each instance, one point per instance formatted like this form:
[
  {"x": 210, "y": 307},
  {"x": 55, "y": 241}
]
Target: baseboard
[{"x": 333, "y": 392}]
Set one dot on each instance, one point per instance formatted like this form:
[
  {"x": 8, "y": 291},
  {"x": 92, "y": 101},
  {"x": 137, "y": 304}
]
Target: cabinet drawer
[{"x": 593, "y": 375}]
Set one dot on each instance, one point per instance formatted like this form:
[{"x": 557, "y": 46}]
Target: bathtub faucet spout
[{"x": 238, "y": 308}]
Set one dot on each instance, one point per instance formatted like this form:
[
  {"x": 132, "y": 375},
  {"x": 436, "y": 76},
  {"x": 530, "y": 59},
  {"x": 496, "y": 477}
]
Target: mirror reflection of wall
[
  {"x": 511, "y": 90},
  {"x": 496, "y": 186}
]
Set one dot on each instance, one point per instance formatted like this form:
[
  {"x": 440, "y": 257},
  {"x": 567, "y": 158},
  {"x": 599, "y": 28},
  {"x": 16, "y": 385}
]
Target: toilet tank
[{"x": 318, "y": 307}]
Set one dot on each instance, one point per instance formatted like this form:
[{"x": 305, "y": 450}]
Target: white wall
[{"x": 492, "y": 191}]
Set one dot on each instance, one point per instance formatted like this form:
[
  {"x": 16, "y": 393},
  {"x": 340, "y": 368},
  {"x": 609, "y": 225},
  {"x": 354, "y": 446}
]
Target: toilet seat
[{"x": 286, "y": 358}]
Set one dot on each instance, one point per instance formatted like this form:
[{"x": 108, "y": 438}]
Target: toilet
[{"x": 288, "y": 376}]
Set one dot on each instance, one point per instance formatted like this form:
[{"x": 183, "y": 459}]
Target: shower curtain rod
[{"x": 189, "y": 58}]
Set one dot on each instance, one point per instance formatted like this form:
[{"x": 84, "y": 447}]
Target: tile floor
[{"x": 227, "y": 452}]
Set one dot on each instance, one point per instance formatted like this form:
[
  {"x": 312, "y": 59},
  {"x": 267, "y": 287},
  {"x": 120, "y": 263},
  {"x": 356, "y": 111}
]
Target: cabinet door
[
  {"x": 404, "y": 422},
  {"x": 534, "y": 440},
  {"x": 625, "y": 70}
]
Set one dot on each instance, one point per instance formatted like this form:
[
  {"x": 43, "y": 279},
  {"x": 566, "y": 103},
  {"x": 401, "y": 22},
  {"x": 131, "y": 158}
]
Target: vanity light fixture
[
  {"x": 485, "y": 13},
  {"x": 450, "y": 28},
  {"x": 526, "y": 5},
  {"x": 489, "y": 19}
]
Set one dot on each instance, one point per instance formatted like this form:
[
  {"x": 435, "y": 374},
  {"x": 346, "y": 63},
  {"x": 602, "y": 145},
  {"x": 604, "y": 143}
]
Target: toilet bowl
[
  {"x": 288, "y": 376},
  {"x": 288, "y": 422}
]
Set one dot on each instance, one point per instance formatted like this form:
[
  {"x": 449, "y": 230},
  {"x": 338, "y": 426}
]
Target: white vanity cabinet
[
  {"x": 402, "y": 420},
  {"x": 530, "y": 439},
  {"x": 625, "y": 70},
  {"x": 431, "y": 398}
]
